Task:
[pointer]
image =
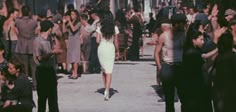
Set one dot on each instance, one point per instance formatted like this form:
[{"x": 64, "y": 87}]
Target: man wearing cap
[
  {"x": 45, "y": 70},
  {"x": 171, "y": 46},
  {"x": 229, "y": 14}
]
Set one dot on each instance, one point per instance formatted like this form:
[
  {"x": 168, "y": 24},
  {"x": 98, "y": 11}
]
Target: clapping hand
[
  {"x": 218, "y": 33},
  {"x": 215, "y": 10}
]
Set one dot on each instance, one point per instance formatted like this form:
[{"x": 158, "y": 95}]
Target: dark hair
[
  {"x": 77, "y": 20},
  {"x": 12, "y": 11},
  {"x": 70, "y": 7},
  {"x": 46, "y": 25},
  {"x": 190, "y": 38},
  {"x": 82, "y": 6},
  {"x": 178, "y": 19},
  {"x": 17, "y": 64},
  {"x": 7, "y": 75},
  {"x": 120, "y": 18},
  {"x": 104, "y": 5},
  {"x": 77, "y": 16},
  {"x": 84, "y": 16},
  {"x": 194, "y": 27},
  {"x": 108, "y": 28},
  {"x": 42, "y": 14},
  {"x": 225, "y": 43},
  {"x": 25, "y": 10}
]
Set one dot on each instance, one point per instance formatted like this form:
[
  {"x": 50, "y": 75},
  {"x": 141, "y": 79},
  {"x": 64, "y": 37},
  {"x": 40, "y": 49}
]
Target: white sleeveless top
[{"x": 172, "y": 49}]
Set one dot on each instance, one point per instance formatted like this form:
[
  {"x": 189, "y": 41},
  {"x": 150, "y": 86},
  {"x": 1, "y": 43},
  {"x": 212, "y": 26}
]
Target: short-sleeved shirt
[{"x": 42, "y": 47}]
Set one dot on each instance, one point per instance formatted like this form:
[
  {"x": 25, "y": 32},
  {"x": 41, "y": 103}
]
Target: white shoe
[{"x": 106, "y": 95}]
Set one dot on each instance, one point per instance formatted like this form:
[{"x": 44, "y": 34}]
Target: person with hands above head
[
  {"x": 46, "y": 77},
  {"x": 72, "y": 25}
]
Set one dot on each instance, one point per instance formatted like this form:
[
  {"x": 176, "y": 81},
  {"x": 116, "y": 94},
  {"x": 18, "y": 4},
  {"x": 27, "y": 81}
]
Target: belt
[{"x": 173, "y": 63}]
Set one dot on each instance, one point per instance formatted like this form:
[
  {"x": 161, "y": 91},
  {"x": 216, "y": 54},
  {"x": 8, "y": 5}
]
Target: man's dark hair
[
  {"x": 84, "y": 16},
  {"x": 12, "y": 11},
  {"x": 25, "y": 10},
  {"x": 70, "y": 7},
  {"x": 178, "y": 19},
  {"x": 46, "y": 25},
  {"x": 17, "y": 64}
]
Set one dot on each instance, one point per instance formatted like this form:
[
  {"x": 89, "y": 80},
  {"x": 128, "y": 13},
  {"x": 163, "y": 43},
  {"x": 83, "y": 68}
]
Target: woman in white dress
[{"x": 107, "y": 39}]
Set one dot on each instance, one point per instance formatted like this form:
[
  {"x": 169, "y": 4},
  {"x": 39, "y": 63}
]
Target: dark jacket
[
  {"x": 225, "y": 81},
  {"x": 22, "y": 92}
]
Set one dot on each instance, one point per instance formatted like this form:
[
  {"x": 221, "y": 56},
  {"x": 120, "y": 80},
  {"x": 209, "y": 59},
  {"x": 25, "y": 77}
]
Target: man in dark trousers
[{"x": 45, "y": 70}]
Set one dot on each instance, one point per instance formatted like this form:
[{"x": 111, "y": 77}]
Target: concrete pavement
[{"x": 132, "y": 89}]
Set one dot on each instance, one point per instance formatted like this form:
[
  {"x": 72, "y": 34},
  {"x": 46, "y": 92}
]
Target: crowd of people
[
  {"x": 194, "y": 54},
  {"x": 34, "y": 48},
  {"x": 195, "y": 57}
]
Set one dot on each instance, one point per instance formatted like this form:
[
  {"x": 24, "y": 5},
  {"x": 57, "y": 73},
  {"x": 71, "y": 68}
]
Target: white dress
[{"x": 106, "y": 53}]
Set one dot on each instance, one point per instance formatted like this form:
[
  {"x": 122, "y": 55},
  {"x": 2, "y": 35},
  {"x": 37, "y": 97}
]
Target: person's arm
[
  {"x": 154, "y": 39},
  {"x": 57, "y": 30},
  {"x": 64, "y": 21},
  {"x": 116, "y": 42},
  {"x": 90, "y": 28},
  {"x": 74, "y": 28},
  {"x": 98, "y": 38},
  {"x": 37, "y": 51},
  {"x": 37, "y": 29},
  {"x": 157, "y": 52},
  {"x": 210, "y": 54},
  {"x": 218, "y": 33}
]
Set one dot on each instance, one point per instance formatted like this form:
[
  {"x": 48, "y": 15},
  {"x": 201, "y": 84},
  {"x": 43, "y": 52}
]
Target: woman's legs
[
  {"x": 74, "y": 70},
  {"x": 104, "y": 79},
  {"x": 107, "y": 84},
  {"x": 107, "y": 80}
]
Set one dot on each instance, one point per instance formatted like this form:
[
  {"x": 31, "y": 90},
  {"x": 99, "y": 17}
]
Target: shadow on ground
[
  {"x": 153, "y": 64},
  {"x": 146, "y": 59},
  {"x": 160, "y": 93},
  {"x": 111, "y": 91},
  {"x": 158, "y": 90},
  {"x": 59, "y": 77},
  {"x": 124, "y": 63}
]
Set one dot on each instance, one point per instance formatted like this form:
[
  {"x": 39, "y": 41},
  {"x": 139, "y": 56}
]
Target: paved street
[{"x": 132, "y": 89}]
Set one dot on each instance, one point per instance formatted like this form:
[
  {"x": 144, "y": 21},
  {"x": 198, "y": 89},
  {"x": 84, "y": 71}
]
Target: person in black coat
[
  {"x": 193, "y": 91},
  {"x": 225, "y": 75},
  {"x": 18, "y": 90}
]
